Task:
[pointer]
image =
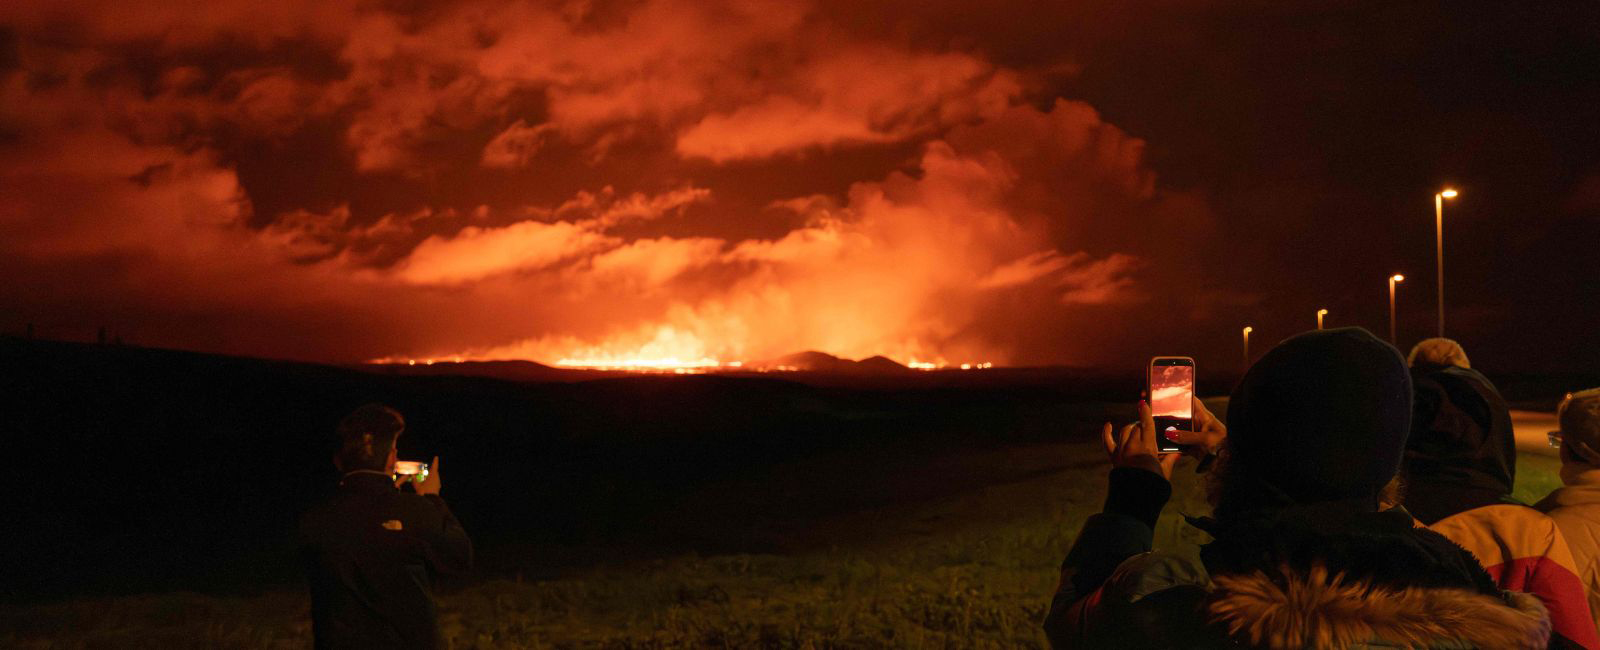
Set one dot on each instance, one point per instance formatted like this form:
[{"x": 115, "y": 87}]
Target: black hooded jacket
[
  {"x": 1300, "y": 576},
  {"x": 1462, "y": 451},
  {"x": 1302, "y": 555},
  {"x": 371, "y": 554}
]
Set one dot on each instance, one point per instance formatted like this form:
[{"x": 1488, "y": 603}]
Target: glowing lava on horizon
[
  {"x": 671, "y": 350},
  {"x": 674, "y": 365}
]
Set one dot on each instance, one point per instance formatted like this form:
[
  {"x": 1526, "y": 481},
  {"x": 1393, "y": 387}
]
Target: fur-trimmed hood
[{"x": 1323, "y": 610}]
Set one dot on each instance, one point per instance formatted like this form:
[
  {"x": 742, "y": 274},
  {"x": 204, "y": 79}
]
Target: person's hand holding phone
[
  {"x": 1206, "y": 436},
  {"x": 1134, "y": 445},
  {"x": 432, "y": 483}
]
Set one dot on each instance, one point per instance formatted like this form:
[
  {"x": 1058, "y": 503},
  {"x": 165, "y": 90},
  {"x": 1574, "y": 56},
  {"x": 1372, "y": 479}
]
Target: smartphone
[
  {"x": 418, "y": 471},
  {"x": 1171, "y": 397}
]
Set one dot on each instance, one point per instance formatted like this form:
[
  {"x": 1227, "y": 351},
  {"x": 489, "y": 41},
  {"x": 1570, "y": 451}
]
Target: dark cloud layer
[{"x": 1026, "y": 183}]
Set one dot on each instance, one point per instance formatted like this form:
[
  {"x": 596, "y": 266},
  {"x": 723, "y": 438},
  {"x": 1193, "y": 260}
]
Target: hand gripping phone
[
  {"x": 417, "y": 471},
  {"x": 1171, "y": 390}
]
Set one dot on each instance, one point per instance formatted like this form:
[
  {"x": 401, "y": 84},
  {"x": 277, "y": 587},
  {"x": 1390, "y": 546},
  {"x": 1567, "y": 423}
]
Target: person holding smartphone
[
  {"x": 1304, "y": 553},
  {"x": 1575, "y": 506},
  {"x": 372, "y": 551}
]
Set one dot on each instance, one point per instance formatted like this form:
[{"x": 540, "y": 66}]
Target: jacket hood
[
  {"x": 1581, "y": 487},
  {"x": 1382, "y": 549},
  {"x": 1579, "y": 475},
  {"x": 1462, "y": 452},
  {"x": 1323, "y": 416},
  {"x": 1319, "y": 609}
]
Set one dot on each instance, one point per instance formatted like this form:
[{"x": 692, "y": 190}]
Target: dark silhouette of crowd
[{"x": 1359, "y": 500}]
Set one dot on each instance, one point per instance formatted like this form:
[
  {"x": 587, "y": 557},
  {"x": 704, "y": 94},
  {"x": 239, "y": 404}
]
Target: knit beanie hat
[
  {"x": 1322, "y": 417},
  {"x": 1579, "y": 415},
  {"x": 1438, "y": 351}
]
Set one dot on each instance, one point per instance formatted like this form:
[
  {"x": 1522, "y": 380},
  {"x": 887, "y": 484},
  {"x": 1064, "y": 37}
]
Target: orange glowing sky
[{"x": 696, "y": 181}]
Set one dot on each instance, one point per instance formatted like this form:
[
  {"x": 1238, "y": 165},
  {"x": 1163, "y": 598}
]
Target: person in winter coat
[
  {"x": 1575, "y": 507},
  {"x": 1302, "y": 557},
  {"x": 1462, "y": 452},
  {"x": 1459, "y": 469},
  {"x": 1523, "y": 550},
  {"x": 372, "y": 551}
]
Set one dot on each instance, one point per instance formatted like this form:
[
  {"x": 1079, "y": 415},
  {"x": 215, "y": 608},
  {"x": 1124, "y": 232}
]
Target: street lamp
[
  {"x": 1320, "y": 314},
  {"x": 1247, "y": 331},
  {"x": 1393, "y": 279},
  {"x": 1438, "y": 237}
]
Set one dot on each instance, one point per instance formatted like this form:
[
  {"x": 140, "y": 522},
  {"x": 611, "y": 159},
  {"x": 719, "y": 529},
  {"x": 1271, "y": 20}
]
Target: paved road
[{"x": 1533, "y": 430}]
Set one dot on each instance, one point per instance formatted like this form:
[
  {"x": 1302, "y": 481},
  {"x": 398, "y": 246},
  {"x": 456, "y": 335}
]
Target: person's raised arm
[
  {"x": 452, "y": 549},
  {"x": 1138, "y": 489}
]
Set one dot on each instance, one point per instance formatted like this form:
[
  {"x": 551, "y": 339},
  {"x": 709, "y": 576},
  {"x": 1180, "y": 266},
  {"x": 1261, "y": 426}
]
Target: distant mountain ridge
[
  {"x": 513, "y": 370},
  {"x": 814, "y": 361},
  {"x": 810, "y": 361}
]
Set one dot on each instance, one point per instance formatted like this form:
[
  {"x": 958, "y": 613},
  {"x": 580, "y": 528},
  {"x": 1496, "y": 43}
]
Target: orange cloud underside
[{"x": 652, "y": 116}]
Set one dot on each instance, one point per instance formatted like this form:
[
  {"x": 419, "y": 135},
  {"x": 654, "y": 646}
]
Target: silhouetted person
[
  {"x": 1525, "y": 551},
  {"x": 1461, "y": 458},
  {"x": 1304, "y": 555},
  {"x": 372, "y": 551},
  {"x": 1462, "y": 451},
  {"x": 1576, "y": 506}
]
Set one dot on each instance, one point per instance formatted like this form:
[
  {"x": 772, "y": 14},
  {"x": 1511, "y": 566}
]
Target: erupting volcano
[
  {"x": 933, "y": 266},
  {"x": 609, "y": 189},
  {"x": 674, "y": 184}
]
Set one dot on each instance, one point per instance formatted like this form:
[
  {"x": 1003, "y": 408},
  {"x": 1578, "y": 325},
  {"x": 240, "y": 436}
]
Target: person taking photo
[{"x": 372, "y": 551}]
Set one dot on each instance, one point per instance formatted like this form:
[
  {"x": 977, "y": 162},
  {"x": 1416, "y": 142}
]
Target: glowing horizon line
[
  {"x": 668, "y": 362},
  {"x": 663, "y": 364}
]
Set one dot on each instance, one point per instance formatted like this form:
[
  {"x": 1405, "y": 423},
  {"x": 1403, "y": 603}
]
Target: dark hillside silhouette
[{"x": 134, "y": 469}]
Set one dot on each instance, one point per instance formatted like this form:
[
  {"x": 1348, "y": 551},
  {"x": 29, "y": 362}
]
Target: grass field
[{"x": 974, "y": 570}]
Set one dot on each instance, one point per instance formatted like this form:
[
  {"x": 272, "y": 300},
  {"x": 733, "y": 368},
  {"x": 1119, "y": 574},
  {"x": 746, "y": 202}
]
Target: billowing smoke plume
[{"x": 575, "y": 181}]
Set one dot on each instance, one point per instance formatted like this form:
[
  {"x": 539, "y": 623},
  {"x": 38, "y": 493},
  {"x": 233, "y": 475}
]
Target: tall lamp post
[
  {"x": 1393, "y": 279},
  {"x": 1438, "y": 238},
  {"x": 1247, "y": 331},
  {"x": 1320, "y": 314}
]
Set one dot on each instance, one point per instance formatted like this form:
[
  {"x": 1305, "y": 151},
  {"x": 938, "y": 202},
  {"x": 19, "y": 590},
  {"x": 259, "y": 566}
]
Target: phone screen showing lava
[{"x": 1171, "y": 390}]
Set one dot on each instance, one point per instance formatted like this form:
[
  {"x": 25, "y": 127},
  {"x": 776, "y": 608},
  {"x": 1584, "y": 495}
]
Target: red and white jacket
[{"x": 1523, "y": 550}]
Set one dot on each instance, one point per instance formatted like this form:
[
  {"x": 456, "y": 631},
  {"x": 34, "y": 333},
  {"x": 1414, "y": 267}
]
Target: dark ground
[{"x": 134, "y": 470}]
